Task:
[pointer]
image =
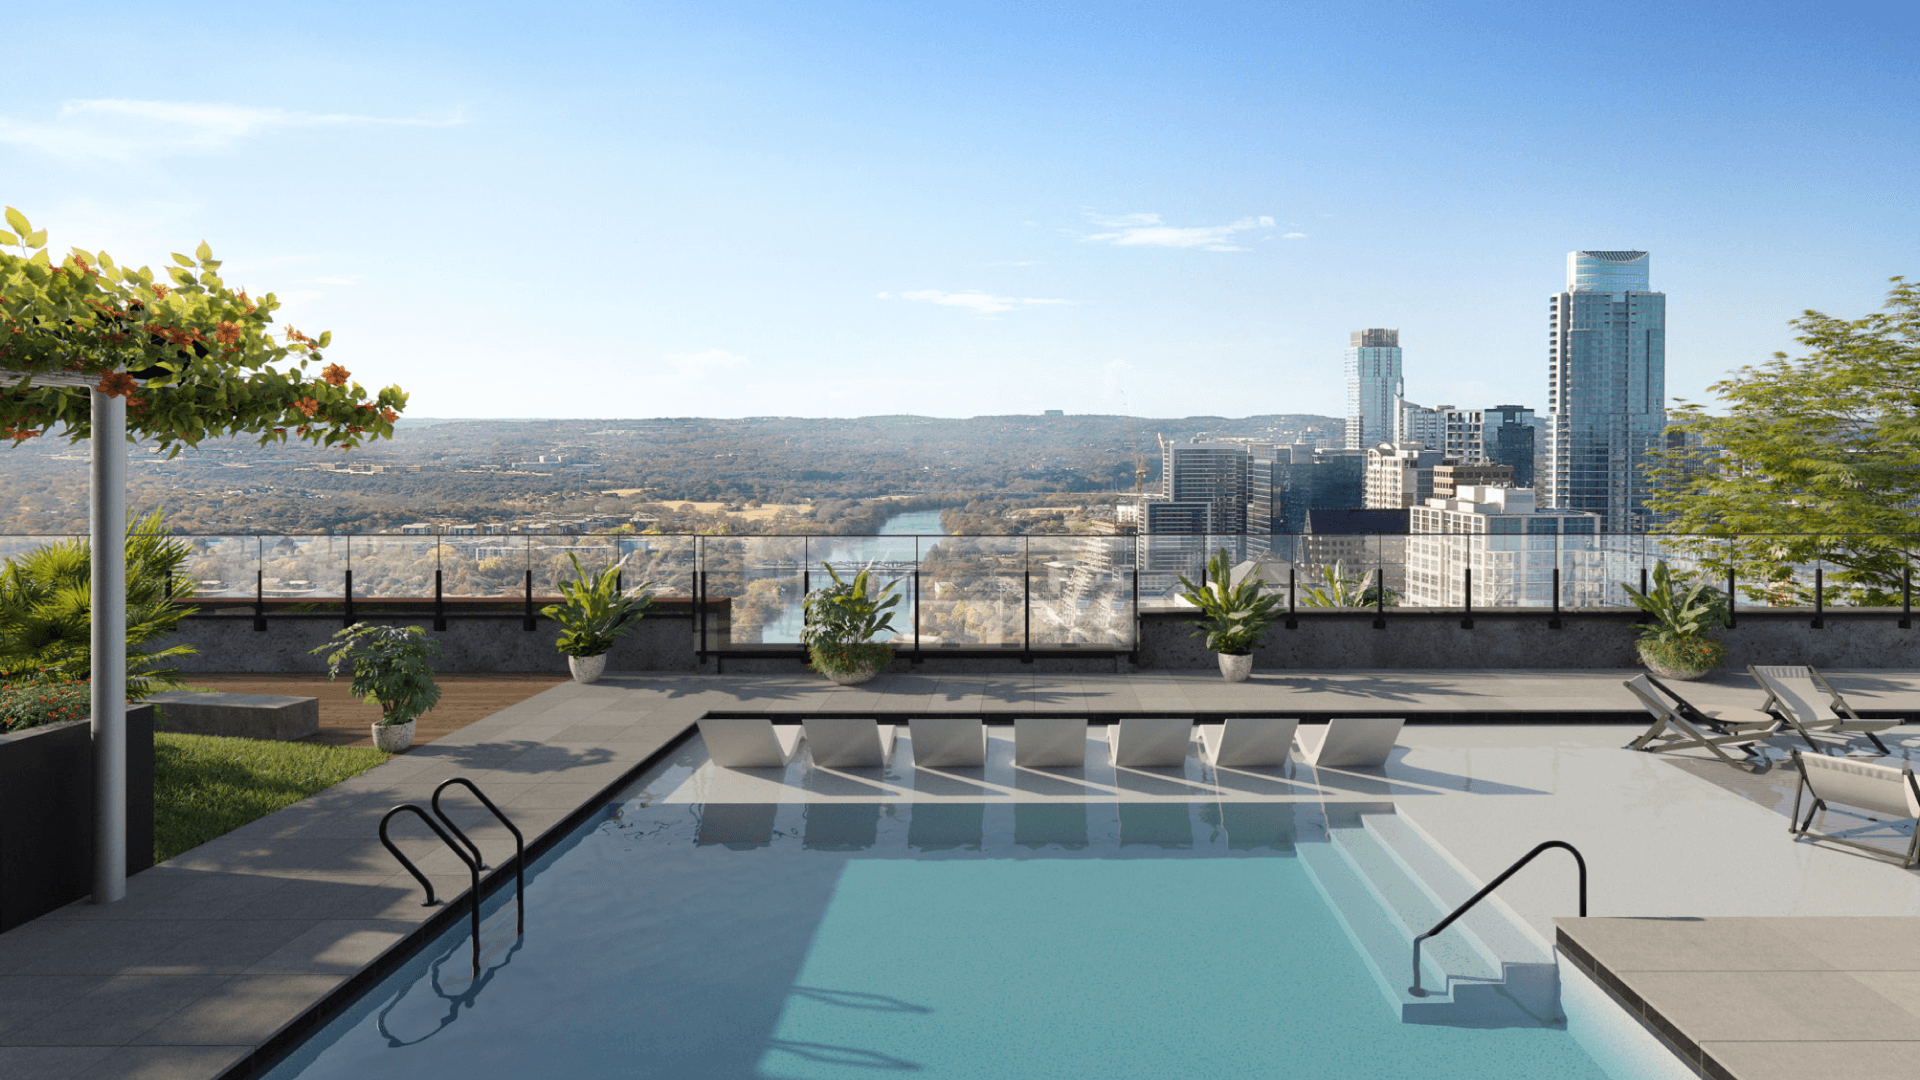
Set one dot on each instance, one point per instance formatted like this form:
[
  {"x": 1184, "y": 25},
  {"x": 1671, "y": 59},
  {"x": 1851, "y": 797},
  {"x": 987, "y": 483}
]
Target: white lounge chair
[
  {"x": 846, "y": 742},
  {"x": 1794, "y": 695},
  {"x": 1350, "y": 742},
  {"x": 1248, "y": 741},
  {"x": 948, "y": 742},
  {"x": 1679, "y": 725},
  {"x": 1050, "y": 741},
  {"x": 1870, "y": 786},
  {"x": 749, "y": 742},
  {"x": 1149, "y": 742}
]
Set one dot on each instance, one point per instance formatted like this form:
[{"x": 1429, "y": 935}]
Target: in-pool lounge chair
[
  {"x": 1348, "y": 742},
  {"x": 848, "y": 742},
  {"x": 948, "y": 742},
  {"x": 1679, "y": 725},
  {"x": 1248, "y": 742},
  {"x": 749, "y": 742},
  {"x": 1868, "y": 785},
  {"x": 1794, "y": 695},
  {"x": 1151, "y": 742},
  {"x": 1050, "y": 742}
]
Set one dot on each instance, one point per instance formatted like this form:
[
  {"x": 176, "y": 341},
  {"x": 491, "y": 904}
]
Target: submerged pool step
[{"x": 1482, "y": 971}]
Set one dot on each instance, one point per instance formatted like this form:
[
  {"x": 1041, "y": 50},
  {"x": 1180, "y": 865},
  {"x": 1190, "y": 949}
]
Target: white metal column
[{"x": 109, "y": 585}]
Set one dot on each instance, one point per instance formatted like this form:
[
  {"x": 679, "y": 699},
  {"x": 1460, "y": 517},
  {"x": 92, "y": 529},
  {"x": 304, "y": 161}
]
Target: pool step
[{"x": 1388, "y": 882}]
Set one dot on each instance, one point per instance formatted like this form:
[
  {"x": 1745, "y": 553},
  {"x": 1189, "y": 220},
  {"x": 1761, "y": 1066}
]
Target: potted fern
[
  {"x": 594, "y": 612},
  {"x": 842, "y": 619},
  {"x": 391, "y": 669},
  {"x": 1233, "y": 616},
  {"x": 1674, "y": 643}
]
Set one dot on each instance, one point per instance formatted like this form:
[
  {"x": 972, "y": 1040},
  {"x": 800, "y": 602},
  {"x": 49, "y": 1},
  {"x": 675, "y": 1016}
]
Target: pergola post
[{"x": 109, "y": 625}]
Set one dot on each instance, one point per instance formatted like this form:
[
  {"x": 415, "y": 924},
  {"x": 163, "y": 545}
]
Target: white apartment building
[
  {"x": 1400, "y": 475},
  {"x": 1511, "y": 545}
]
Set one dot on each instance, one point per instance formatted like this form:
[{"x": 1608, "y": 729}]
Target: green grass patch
[{"x": 208, "y": 785}]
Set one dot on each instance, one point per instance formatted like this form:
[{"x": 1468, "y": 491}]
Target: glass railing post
[
  {"x": 1906, "y": 597},
  {"x": 1819, "y": 598}
]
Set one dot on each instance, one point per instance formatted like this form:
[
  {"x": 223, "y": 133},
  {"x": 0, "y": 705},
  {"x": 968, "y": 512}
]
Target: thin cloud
[
  {"x": 127, "y": 129},
  {"x": 1148, "y": 230},
  {"x": 980, "y": 302}
]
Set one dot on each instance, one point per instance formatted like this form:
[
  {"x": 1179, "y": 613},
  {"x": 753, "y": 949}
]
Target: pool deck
[{"x": 216, "y": 957}]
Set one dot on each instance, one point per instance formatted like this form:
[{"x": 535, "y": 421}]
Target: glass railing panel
[
  {"x": 482, "y": 566},
  {"x": 303, "y": 567},
  {"x": 660, "y": 566},
  {"x": 762, "y": 580},
  {"x": 1082, "y": 592},
  {"x": 550, "y": 557},
  {"x": 221, "y": 565},
  {"x": 974, "y": 593},
  {"x": 393, "y": 567},
  {"x": 889, "y": 562}
]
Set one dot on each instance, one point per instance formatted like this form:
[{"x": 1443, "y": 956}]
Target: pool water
[{"x": 851, "y": 939}]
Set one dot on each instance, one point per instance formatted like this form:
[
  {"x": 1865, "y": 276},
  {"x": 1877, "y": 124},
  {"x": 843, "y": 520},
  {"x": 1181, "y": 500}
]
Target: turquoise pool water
[{"x": 861, "y": 940}]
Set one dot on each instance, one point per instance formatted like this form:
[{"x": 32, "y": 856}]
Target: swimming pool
[{"x": 947, "y": 939}]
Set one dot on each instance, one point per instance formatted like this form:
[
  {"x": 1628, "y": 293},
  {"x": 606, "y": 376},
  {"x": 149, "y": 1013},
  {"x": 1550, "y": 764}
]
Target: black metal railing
[{"x": 1416, "y": 989}]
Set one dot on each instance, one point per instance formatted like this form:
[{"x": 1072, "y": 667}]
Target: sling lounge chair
[
  {"x": 1793, "y": 695},
  {"x": 1879, "y": 789},
  {"x": 1248, "y": 741},
  {"x": 1149, "y": 741},
  {"x": 1049, "y": 741},
  {"x": 846, "y": 742},
  {"x": 1347, "y": 742},
  {"x": 749, "y": 742},
  {"x": 1678, "y": 724},
  {"x": 948, "y": 742}
]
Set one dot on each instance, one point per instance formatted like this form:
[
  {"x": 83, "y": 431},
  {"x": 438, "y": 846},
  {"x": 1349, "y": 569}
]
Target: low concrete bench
[{"x": 248, "y": 716}]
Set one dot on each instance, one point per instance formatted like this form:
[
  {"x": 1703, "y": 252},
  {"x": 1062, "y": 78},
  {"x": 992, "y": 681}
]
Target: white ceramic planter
[
  {"x": 1235, "y": 668},
  {"x": 587, "y": 669},
  {"x": 393, "y": 738}
]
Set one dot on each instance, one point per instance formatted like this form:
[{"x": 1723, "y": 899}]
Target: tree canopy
[
  {"x": 193, "y": 357},
  {"x": 1813, "y": 459}
]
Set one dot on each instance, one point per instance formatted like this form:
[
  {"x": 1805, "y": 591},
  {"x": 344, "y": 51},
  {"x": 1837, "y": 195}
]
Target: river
[{"x": 897, "y": 542}]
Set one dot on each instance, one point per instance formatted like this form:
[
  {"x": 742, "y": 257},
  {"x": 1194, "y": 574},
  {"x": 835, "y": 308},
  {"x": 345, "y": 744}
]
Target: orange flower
[
  {"x": 227, "y": 333},
  {"x": 307, "y": 405},
  {"x": 117, "y": 384},
  {"x": 160, "y": 291},
  {"x": 334, "y": 374}
]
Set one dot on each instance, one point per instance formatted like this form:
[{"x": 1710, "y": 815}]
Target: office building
[
  {"x": 1359, "y": 542},
  {"x": 1374, "y": 388},
  {"x": 1200, "y": 508},
  {"x": 1450, "y": 477},
  {"x": 1606, "y": 387},
  {"x": 1511, "y": 545},
  {"x": 1421, "y": 424},
  {"x": 1502, "y": 434},
  {"x": 1285, "y": 482},
  {"x": 1400, "y": 475}
]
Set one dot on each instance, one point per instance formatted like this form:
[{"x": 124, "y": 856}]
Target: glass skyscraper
[
  {"x": 1606, "y": 387},
  {"x": 1374, "y": 387}
]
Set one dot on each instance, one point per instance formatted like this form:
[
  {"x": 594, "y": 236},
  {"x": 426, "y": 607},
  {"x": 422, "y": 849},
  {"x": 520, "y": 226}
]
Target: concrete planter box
[
  {"x": 46, "y": 813},
  {"x": 246, "y": 716}
]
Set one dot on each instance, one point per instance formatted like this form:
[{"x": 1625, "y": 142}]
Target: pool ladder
[{"x": 469, "y": 854}]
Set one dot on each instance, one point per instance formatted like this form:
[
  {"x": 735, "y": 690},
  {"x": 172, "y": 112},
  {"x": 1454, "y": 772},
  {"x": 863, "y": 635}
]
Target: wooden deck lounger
[
  {"x": 1679, "y": 725},
  {"x": 1870, "y": 786},
  {"x": 1793, "y": 695}
]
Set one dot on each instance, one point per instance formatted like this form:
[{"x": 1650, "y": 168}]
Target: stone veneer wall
[{"x": 1325, "y": 640}]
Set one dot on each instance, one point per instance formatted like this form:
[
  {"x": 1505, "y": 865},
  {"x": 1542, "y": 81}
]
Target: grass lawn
[{"x": 207, "y": 785}]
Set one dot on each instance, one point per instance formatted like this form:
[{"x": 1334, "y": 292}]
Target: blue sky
[{"x": 730, "y": 209}]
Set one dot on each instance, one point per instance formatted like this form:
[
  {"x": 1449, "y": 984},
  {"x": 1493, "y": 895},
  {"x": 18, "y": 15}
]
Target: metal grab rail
[
  {"x": 1416, "y": 989},
  {"x": 519, "y": 846},
  {"x": 473, "y": 868}
]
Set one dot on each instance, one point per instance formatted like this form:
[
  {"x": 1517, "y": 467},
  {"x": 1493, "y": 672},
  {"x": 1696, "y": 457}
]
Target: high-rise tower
[
  {"x": 1606, "y": 387},
  {"x": 1374, "y": 387}
]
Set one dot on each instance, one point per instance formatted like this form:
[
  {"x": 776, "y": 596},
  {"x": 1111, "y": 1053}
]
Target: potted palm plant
[
  {"x": 594, "y": 612},
  {"x": 1674, "y": 642},
  {"x": 390, "y": 669},
  {"x": 842, "y": 619},
  {"x": 1233, "y": 616}
]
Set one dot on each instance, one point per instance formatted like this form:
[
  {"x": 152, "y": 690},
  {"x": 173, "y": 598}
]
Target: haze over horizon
[{"x": 861, "y": 209}]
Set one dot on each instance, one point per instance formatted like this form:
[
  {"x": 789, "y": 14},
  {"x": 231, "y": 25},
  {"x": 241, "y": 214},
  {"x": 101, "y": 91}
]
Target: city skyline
[{"x": 845, "y": 211}]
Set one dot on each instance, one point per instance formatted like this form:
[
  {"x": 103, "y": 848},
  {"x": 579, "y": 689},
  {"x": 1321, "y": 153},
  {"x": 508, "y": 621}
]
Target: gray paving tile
[
  {"x": 48, "y": 1062},
  {"x": 92, "y": 946},
  {"x": 221, "y": 947},
  {"x": 115, "y": 1012},
  {"x": 333, "y": 947},
  {"x": 345, "y": 896},
  {"x": 1633, "y": 945},
  {"x": 1855, "y": 943},
  {"x": 1816, "y": 1060},
  {"x": 245, "y": 1009},
  {"x": 24, "y": 998},
  {"x": 1736, "y": 1006},
  {"x": 164, "y": 1063},
  {"x": 1902, "y": 988}
]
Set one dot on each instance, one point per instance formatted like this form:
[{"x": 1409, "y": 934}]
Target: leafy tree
[
  {"x": 1814, "y": 459},
  {"x": 46, "y": 609},
  {"x": 207, "y": 353}
]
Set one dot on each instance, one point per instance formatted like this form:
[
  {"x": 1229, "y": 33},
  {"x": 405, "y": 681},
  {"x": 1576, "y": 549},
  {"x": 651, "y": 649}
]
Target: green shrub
[
  {"x": 208, "y": 785},
  {"x": 39, "y": 698},
  {"x": 1683, "y": 654},
  {"x": 390, "y": 666}
]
